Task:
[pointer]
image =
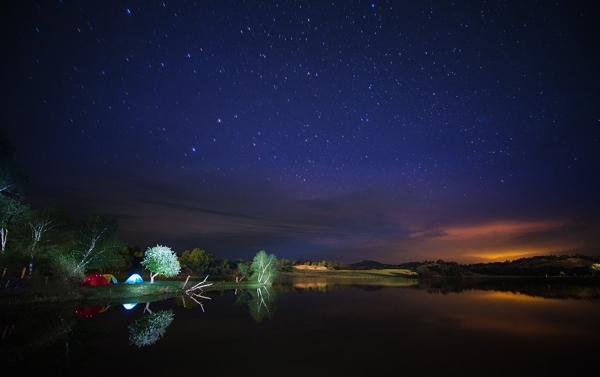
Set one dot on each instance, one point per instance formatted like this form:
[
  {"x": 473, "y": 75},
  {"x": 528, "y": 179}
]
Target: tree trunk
[{"x": 3, "y": 233}]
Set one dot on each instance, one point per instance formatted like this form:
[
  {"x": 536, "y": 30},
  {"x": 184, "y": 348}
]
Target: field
[{"x": 311, "y": 271}]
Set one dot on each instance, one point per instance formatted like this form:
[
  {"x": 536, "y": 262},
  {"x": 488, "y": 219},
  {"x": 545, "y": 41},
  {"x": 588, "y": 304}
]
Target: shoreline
[{"x": 167, "y": 288}]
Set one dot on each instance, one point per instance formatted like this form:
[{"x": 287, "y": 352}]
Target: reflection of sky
[
  {"x": 355, "y": 130},
  {"x": 359, "y": 330},
  {"x": 519, "y": 314}
]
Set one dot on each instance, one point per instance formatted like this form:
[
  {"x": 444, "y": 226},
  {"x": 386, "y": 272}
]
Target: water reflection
[
  {"x": 323, "y": 327},
  {"x": 150, "y": 328},
  {"x": 262, "y": 302},
  {"x": 90, "y": 311},
  {"x": 302, "y": 284},
  {"x": 549, "y": 288}
]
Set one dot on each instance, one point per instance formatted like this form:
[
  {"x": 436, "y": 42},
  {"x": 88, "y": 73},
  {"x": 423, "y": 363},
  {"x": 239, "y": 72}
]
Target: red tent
[{"x": 95, "y": 279}]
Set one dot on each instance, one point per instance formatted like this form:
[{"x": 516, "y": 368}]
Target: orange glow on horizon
[
  {"x": 496, "y": 241},
  {"x": 501, "y": 256},
  {"x": 499, "y": 229}
]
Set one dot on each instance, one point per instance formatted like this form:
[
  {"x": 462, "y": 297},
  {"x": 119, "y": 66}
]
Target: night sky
[{"x": 341, "y": 130}]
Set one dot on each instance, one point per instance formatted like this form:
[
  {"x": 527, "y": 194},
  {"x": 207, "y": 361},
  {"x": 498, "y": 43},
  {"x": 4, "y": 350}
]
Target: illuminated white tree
[
  {"x": 161, "y": 260},
  {"x": 264, "y": 268},
  {"x": 13, "y": 183},
  {"x": 10, "y": 210},
  {"x": 40, "y": 224},
  {"x": 95, "y": 245}
]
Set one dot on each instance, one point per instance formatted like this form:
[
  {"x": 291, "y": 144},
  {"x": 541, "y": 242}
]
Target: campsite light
[
  {"x": 130, "y": 305},
  {"x": 134, "y": 279}
]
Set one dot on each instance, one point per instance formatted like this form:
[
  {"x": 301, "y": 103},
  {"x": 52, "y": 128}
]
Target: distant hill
[
  {"x": 546, "y": 265},
  {"x": 549, "y": 265},
  {"x": 367, "y": 265}
]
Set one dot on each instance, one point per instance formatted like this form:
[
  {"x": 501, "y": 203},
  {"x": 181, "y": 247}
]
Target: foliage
[
  {"x": 11, "y": 209},
  {"x": 161, "y": 260},
  {"x": 243, "y": 270},
  {"x": 13, "y": 184},
  {"x": 95, "y": 245},
  {"x": 63, "y": 268},
  {"x": 288, "y": 264},
  {"x": 264, "y": 268},
  {"x": 150, "y": 328},
  {"x": 40, "y": 226},
  {"x": 199, "y": 262},
  {"x": 220, "y": 267},
  {"x": 595, "y": 268},
  {"x": 196, "y": 261},
  {"x": 132, "y": 256}
]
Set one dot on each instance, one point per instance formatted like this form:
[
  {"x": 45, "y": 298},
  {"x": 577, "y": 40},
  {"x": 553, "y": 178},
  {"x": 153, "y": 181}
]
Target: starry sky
[{"x": 342, "y": 130}]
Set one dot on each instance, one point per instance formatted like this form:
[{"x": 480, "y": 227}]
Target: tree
[
  {"x": 132, "y": 256},
  {"x": 264, "y": 268},
  {"x": 13, "y": 183},
  {"x": 243, "y": 271},
  {"x": 39, "y": 224},
  {"x": 11, "y": 209},
  {"x": 95, "y": 245},
  {"x": 196, "y": 260},
  {"x": 161, "y": 260}
]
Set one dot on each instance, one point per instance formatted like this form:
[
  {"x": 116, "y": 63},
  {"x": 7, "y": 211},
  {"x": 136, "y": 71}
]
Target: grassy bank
[
  {"x": 162, "y": 289},
  {"x": 109, "y": 294}
]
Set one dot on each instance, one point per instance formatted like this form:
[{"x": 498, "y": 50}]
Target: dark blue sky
[{"x": 346, "y": 130}]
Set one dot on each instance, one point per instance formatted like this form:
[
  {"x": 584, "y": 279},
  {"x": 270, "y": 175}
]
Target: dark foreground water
[{"x": 320, "y": 328}]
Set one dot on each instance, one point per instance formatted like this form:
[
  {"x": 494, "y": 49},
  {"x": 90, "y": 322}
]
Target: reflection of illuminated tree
[
  {"x": 150, "y": 328},
  {"x": 262, "y": 302}
]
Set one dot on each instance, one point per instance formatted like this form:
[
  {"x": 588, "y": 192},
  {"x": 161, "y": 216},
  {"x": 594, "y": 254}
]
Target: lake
[{"x": 320, "y": 327}]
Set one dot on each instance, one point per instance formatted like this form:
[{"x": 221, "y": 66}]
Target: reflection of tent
[
  {"x": 130, "y": 305},
  {"x": 134, "y": 279},
  {"x": 110, "y": 278},
  {"x": 89, "y": 311},
  {"x": 95, "y": 279}
]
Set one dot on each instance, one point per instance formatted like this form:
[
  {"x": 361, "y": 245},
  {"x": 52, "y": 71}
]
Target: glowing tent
[
  {"x": 110, "y": 278},
  {"x": 95, "y": 279},
  {"x": 134, "y": 279}
]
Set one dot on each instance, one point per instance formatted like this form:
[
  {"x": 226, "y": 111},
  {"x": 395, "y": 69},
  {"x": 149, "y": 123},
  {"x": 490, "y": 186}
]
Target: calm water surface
[{"x": 309, "y": 327}]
